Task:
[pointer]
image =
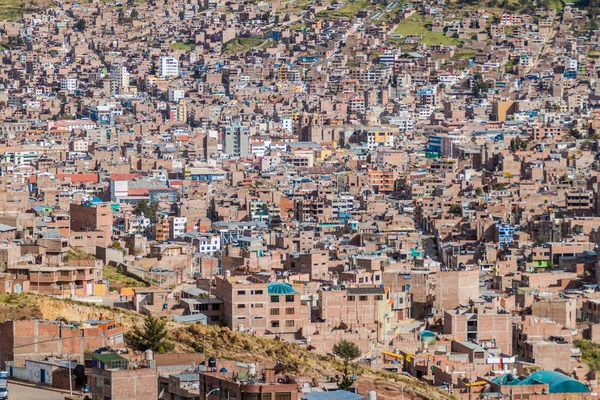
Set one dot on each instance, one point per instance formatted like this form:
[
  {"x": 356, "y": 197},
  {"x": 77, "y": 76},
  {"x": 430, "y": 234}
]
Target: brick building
[
  {"x": 480, "y": 325},
  {"x": 262, "y": 307},
  {"x": 112, "y": 377},
  {"x": 37, "y": 339}
]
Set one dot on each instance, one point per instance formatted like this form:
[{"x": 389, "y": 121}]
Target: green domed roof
[{"x": 280, "y": 288}]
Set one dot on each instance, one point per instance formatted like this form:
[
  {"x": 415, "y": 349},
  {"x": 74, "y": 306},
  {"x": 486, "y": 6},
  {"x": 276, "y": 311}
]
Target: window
[
  {"x": 266, "y": 396},
  {"x": 274, "y": 299},
  {"x": 241, "y": 292},
  {"x": 274, "y": 311},
  {"x": 241, "y": 306},
  {"x": 257, "y": 292},
  {"x": 64, "y": 273},
  {"x": 215, "y": 318},
  {"x": 258, "y": 305},
  {"x": 289, "y": 311},
  {"x": 216, "y": 307},
  {"x": 289, "y": 298},
  {"x": 274, "y": 324},
  {"x": 351, "y": 298},
  {"x": 289, "y": 324},
  {"x": 283, "y": 396},
  {"x": 202, "y": 307},
  {"x": 379, "y": 297},
  {"x": 362, "y": 298}
]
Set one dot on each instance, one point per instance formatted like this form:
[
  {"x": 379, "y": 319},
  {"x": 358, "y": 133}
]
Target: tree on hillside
[
  {"x": 347, "y": 351},
  {"x": 455, "y": 209},
  {"x": 81, "y": 24},
  {"x": 153, "y": 336},
  {"x": 480, "y": 86},
  {"x": 148, "y": 210}
]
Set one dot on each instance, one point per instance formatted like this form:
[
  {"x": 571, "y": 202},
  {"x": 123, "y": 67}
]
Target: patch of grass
[
  {"x": 593, "y": 54},
  {"x": 590, "y": 353},
  {"x": 115, "y": 275},
  {"x": 295, "y": 6},
  {"x": 181, "y": 46},
  {"x": 238, "y": 45},
  {"x": 558, "y": 5},
  {"x": 464, "y": 55},
  {"x": 11, "y": 10},
  {"x": 416, "y": 25},
  {"x": 347, "y": 11}
]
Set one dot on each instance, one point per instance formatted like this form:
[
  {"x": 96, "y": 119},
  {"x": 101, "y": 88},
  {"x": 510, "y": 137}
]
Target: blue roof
[
  {"x": 280, "y": 288},
  {"x": 556, "y": 381}
]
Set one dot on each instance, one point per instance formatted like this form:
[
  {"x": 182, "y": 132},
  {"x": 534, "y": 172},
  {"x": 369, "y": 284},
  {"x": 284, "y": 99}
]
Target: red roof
[
  {"x": 139, "y": 192},
  {"x": 79, "y": 178},
  {"x": 124, "y": 177}
]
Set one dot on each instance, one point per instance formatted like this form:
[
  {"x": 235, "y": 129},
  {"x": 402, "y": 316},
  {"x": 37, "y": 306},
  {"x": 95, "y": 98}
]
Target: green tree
[
  {"x": 347, "y": 351},
  {"x": 153, "y": 336},
  {"x": 478, "y": 192},
  {"x": 182, "y": 15},
  {"x": 81, "y": 25},
  {"x": 479, "y": 86},
  {"x": 134, "y": 14},
  {"x": 116, "y": 245},
  {"x": 148, "y": 210},
  {"x": 455, "y": 209}
]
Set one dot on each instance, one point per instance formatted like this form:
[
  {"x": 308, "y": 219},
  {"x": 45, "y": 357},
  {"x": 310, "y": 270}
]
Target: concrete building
[
  {"x": 236, "y": 139},
  {"x": 168, "y": 67}
]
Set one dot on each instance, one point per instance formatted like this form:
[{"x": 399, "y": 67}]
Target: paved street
[{"x": 18, "y": 392}]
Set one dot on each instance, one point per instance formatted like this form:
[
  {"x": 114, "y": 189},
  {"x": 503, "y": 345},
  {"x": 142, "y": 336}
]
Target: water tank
[
  {"x": 372, "y": 395},
  {"x": 228, "y": 274},
  {"x": 149, "y": 355},
  {"x": 251, "y": 369},
  {"x": 212, "y": 362}
]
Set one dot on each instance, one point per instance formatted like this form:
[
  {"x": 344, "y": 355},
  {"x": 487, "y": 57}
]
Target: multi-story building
[
  {"x": 236, "y": 139},
  {"x": 381, "y": 136},
  {"x": 176, "y": 94},
  {"x": 177, "y": 226},
  {"x": 68, "y": 84},
  {"x": 112, "y": 377},
  {"x": 481, "y": 325},
  {"x": 168, "y": 67},
  {"x": 92, "y": 217},
  {"x": 251, "y": 305}
]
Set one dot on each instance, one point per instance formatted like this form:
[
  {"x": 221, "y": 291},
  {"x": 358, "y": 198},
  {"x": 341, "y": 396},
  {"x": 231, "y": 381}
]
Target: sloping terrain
[{"x": 223, "y": 343}]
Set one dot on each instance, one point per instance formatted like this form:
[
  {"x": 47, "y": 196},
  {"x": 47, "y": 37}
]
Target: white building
[
  {"x": 138, "y": 225},
  {"x": 177, "y": 226},
  {"x": 68, "y": 84},
  {"x": 168, "y": 67},
  {"x": 119, "y": 77},
  {"x": 176, "y": 94},
  {"x": 207, "y": 244},
  {"x": 288, "y": 124}
]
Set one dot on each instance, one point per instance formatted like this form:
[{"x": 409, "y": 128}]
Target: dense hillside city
[{"x": 299, "y": 199}]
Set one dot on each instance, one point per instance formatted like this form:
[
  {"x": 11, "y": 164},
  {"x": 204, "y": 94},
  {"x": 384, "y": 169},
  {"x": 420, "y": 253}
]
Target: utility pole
[{"x": 70, "y": 380}]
